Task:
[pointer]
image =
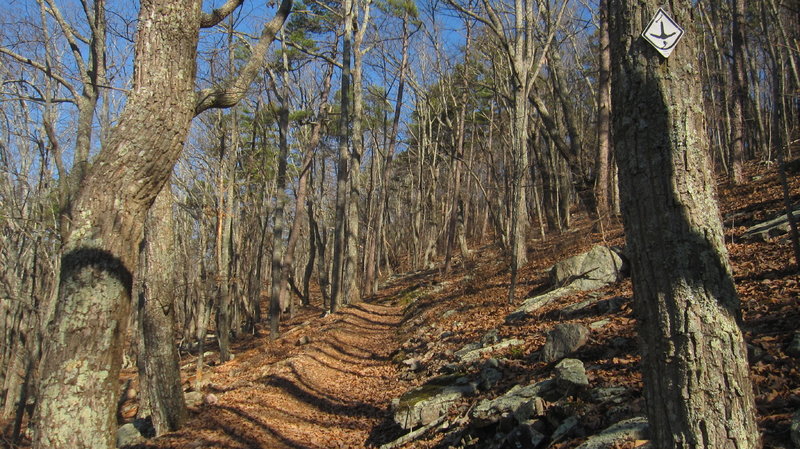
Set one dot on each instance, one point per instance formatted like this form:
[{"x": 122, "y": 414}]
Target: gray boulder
[
  {"x": 794, "y": 429},
  {"x": 596, "y": 268},
  {"x": 535, "y": 303},
  {"x": 476, "y": 354},
  {"x": 566, "y": 428},
  {"x": 193, "y": 398},
  {"x": 491, "y": 411},
  {"x": 428, "y": 402},
  {"x": 623, "y": 431},
  {"x": 128, "y": 435},
  {"x": 489, "y": 374},
  {"x": 562, "y": 340},
  {"x": 525, "y": 435},
  {"x": 771, "y": 228},
  {"x": 571, "y": 375}
]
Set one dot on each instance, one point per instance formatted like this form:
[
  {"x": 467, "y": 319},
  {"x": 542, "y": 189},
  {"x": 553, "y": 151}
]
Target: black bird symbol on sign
[{"x": 663, "y": 35}]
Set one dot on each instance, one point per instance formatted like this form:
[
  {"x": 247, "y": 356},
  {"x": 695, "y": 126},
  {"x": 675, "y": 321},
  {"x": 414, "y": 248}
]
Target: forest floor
[{"x": 329, "y": 381}]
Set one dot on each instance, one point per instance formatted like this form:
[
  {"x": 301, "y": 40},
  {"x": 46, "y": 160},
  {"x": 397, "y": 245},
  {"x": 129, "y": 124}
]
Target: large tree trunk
[
  {"x": 81, "y": 362},
  {"x": 82, "y": 358},
  {"x": 159, "y": 374},
  {"x": 694, "y": 359}
]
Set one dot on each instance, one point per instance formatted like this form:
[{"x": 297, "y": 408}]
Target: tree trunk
[
  {"x": 740, "y": 92},
  {"x": 342, "y": 173},
  {"x": 275, "y": 308},
  {"x": 603, "y": 118},
  {"x": 81, "y": 362},
  {"x": 82, "y": 359},
  {"x": 302, "y": 185},
  {"x": 694, "y": 359},
  {"x": 223, "y": 243},
  {"x": 159, "y": 374}
]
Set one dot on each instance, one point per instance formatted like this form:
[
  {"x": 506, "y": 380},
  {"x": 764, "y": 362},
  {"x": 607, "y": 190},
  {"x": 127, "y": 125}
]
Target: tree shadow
[{"x": 684, "y": 295}]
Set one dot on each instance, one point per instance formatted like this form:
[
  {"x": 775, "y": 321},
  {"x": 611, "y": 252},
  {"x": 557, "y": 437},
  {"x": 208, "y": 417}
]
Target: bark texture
[
  {"x": 694, "y": 359},
  {"x": 80, "y": 367},
  {"x": 159, "y": 374},
  {"x": 81, "y": 361}
]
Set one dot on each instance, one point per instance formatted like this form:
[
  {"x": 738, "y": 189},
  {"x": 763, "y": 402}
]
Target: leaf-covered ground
[{"x": 328, "y": 382}]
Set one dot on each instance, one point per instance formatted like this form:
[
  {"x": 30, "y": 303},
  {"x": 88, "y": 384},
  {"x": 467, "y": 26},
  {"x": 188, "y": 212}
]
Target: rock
[
  {"x": 535, "y": 303},
  {"x": 467, "y": 349},
  {"x": 563, "y": 340},
  {"x": 449, "y": 313},
  {"x": 794, "y": 347},
  {"x": 476, "y": 354},
  {"x": 193, "y": 398},
  {"x": 755, "y": 353},
  {"x": 304, "y": 340},
  {"x": 491, "y": 411},
  {"x": 794, "y": 429},
  {"x": 596, "y": 268},
  {"x": 770, "y": 228},
  {"x": 412, "y": 364},
  {"x": 571, "y": 375},
  {"x": 211, "y": 399},
  {"x": 564, "y": 429},
  {"x": 608, "y": 394},
  {"x": 624, "y": 431},
  {"x": 599, "y": 324},
  {"x": 525, "y": 435},
  {"x": 128, "y": 435},
  {"x": 490, "y": 338},
  {"x": 489, "y": 375},
  {"x": 428, "y": 402}
]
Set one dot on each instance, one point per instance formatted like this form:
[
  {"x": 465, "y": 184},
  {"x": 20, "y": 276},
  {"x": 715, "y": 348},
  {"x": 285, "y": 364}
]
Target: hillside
[{"x": 330, "y": 380}]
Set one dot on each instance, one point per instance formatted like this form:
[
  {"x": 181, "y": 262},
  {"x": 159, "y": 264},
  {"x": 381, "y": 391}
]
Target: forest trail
[
  {"x": 332, "y": 391},
  {"x": 329, "y": 381}
]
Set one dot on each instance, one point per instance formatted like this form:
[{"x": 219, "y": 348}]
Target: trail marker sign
[{"x": 663, "y": 33}]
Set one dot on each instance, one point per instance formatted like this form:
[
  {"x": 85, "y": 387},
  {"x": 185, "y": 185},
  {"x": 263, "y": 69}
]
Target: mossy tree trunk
[{"x": 82, "y": 357}]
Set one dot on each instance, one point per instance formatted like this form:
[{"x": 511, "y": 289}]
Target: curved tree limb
[
  {"x": 216, "y": 16},
  {"x": 232, "y": 91}
]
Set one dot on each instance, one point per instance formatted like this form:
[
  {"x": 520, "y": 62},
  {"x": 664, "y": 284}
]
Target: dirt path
[{"x": 332, "y": 392}]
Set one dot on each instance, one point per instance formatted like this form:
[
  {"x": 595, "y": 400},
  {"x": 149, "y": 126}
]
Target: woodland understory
[
  {"x": 264, "y": 202},
  {"x": 329, "y": 380}
]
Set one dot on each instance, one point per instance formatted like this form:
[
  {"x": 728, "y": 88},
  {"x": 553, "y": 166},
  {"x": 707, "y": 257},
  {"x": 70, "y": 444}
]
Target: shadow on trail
[{"x": 319, "y": 401}]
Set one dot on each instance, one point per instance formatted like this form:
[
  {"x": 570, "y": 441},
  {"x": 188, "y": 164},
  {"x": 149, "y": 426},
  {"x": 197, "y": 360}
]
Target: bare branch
[
  {"x": 216, "y": 16},
  {"x": 70, "y": 35},
  {"x": 235, "y": 89},
  {"x": 313, "y": 54},
  {"x": 42, "y": 68}
]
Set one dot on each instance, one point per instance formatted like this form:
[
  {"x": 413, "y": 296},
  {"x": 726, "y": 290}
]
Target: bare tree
[{"x": 82, "y": 358}]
